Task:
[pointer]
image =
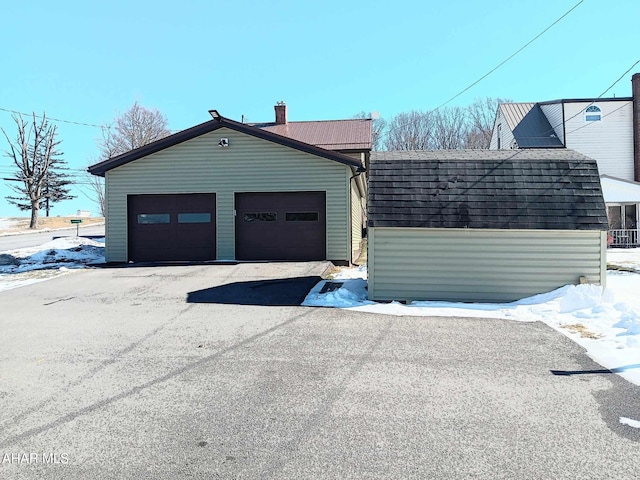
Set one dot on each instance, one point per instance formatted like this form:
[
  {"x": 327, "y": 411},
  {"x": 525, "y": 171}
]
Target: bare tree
[
  {"x": 135, "y": 128},
  {"x": 475, "y": 140},
  {"x": 96, "y": 186},
  {"x": 450, "y": 127},
  {"x": 410, "y": 131},
  {"x": 34, "y": 154},
  {"x": 444, "y": 128},
  {"x": 481, "y": 116}
]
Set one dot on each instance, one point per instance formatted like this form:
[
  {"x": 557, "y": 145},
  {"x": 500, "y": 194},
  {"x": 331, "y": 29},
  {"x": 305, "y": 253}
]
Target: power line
[
  {"x": 603, "y": 116},
  {"x": 601, "y": 95},
  {"x": 510, "y": 57},
  {"x": 564, "y": 121},
  {"x": 437, "y": 108},
  {"x": 56, "y": 119},
  {"x": 626, "y": 104},
  {"x": 619, "y": 78}
]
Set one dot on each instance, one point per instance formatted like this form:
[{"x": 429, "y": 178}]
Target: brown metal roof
[
  {"x": 515, "y": 112},
  {"x": 353, "y": 134}
]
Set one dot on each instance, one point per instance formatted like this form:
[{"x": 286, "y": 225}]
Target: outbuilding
[
  {"x": 483, "y": 225},
  {"x": 225, "y": 190}
]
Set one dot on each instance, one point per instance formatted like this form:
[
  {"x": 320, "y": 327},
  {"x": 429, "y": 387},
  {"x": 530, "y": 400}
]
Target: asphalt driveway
[{"x": 155, "y": 372}]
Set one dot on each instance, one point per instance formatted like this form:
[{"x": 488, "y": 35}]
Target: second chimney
[
  {"x": 635, "y": 93},
  {"x": 281, "y": 113}
]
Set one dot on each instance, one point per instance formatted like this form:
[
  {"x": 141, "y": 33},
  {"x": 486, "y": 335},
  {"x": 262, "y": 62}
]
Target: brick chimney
[
  {"x": 281, "y": 113},
  {"x": 635, "y": 93}
]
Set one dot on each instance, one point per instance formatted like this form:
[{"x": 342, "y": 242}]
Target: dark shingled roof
[{"x": 541, "y": 189}]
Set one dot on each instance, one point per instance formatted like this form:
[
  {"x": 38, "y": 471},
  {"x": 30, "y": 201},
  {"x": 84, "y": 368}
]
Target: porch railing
[{"x": 623, "y": 238}]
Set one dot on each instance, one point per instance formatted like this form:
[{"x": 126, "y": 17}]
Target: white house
[{"x": 605, "y": 129}]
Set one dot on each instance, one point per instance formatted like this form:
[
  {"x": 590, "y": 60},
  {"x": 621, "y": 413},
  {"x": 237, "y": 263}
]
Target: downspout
[
  {"x": 359, "y": 172},
  {"x": 564, "y": 127}
]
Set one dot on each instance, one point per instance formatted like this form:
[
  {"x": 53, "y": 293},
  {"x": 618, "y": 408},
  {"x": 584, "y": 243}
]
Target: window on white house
[{"x": 593, "y": 114}]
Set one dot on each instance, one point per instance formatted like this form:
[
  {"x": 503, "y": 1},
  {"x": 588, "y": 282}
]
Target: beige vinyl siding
[
  {"x": 506, "y": 135},
  {"x": 356, "y": 219},
  {"x": 249, "y": 164},
  {"x": 609, "y": 141},
  {"x": 553, "y": 112},
  {"x": 480, "y": 265}
]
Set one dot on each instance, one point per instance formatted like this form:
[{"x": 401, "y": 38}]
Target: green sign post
[{"x": 77, "y": 222}]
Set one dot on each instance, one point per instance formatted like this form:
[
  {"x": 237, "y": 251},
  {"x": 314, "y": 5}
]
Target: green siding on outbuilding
[
  {"x": 249, "y": 164},
  {"x": 480, "y": 265}
]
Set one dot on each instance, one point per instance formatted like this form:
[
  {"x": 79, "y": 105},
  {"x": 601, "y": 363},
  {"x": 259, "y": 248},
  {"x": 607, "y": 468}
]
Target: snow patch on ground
[
  {"x": 624, "y": 257},
  {"x": 630, "y": 422},
  {"x": 10, "y": 281},
  {"x": 36, "y": 264},
  {"x": 69, "y": 252},
  {"x": 7, "y": 223},
  {"x": 606, "y": 323}
]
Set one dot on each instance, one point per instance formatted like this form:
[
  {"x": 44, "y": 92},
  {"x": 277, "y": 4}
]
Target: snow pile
[
  {"x": 352, "y": 293},
  {"x": 68, "y": 252},
  {"x": 349, "y": 273},
  {"x": 606, "y": 324}
]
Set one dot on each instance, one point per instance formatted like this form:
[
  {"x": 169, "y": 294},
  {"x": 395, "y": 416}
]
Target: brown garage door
[
  {"x": 281, "y": 226},
  {"x": 172, "y": 227}
]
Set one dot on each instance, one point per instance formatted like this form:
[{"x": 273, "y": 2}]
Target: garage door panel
[
  {"x": 172, "y": 227},
  {"x": 281, "y": 226}
]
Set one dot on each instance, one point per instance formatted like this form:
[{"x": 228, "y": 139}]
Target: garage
[
  {"x": 302, "y": 202},
  {"x": 179, "y": 227},
  {"x": 281, "y": 226}
]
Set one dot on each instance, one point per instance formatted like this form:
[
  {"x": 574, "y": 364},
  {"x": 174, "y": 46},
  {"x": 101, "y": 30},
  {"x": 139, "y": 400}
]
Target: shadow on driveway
[{"x": 281, "y": 292}]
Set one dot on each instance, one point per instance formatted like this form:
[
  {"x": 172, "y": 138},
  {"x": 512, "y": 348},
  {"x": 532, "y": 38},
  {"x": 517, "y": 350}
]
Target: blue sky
[{"x": 90, "y": 61}]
